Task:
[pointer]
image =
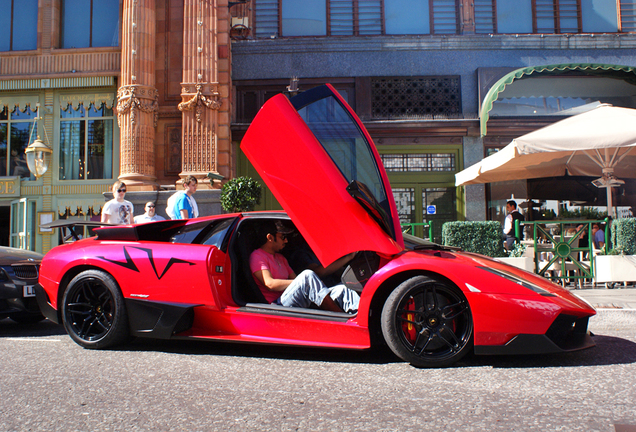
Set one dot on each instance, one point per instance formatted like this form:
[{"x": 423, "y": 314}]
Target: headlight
[{"x": 516, "y": 279}]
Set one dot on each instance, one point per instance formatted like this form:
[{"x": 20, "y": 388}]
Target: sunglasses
[
  {"x": 150, "y": 206},
  {"x": 121, "y": 190},
  {"x": 284, "y": 236}
]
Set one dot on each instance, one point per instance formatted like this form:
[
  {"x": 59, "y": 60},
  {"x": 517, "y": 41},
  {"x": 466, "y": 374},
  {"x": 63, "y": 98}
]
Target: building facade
[
  {"x": 419, "y": 74},
  {"x": 135, "y": 90},
  {"x": 150, "y": 91}
]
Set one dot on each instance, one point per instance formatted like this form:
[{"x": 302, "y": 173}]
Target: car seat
[{"x": 244, "y": 288}]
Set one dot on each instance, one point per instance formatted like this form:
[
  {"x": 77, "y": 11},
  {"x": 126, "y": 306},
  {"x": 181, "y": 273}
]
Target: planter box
[
  {"x": 524, "y": 263},
  {"x": 615, "y": 268}
]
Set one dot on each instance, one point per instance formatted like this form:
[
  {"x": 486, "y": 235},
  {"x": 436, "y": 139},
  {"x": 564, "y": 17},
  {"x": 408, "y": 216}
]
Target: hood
[{"x": 10, "y": 255}]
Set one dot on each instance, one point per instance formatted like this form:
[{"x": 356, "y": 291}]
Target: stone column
[
  {"x": 137, "y": 98},
  {"x": 200, "y": 95}
]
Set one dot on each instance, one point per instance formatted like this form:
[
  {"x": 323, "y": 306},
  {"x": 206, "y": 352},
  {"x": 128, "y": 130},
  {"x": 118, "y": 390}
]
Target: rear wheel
[
  {"x": 427, "y": 322},
  {"x": 93, "y": 310}
]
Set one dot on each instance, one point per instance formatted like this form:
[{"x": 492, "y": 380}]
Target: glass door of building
[
  {"x": 23, "y": 224},
  {"x": 423, "y": 203}
]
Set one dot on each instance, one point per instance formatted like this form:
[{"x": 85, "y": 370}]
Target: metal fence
[
  {"x": 555, "y": 247},
  {"x": 558, "y": 252},
  {"x": 412, "y": 228}
]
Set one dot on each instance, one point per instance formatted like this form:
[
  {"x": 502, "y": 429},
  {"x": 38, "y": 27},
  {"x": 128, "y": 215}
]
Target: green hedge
[
  {"x": 480, "y": 237},
  {"x": 623, "y": 236}
]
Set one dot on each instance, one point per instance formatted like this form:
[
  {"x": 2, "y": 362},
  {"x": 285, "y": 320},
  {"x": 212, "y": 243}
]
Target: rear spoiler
[
  {"x": 69, "y": 228},
  {"x": 105, "y": 231}
]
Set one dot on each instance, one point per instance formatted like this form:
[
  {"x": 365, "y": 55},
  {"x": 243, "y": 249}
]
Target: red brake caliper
[{"x": 407, "y": 326}]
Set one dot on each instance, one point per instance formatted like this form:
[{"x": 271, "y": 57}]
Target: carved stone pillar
[
  {"x": 137, "y": 98},
  {"x": 200, "y": 95}
]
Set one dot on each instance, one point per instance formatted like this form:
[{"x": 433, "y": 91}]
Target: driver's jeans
[{"x": 307, "y": 288}]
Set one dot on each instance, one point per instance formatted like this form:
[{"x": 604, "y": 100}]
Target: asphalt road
[{"x": 48, "y": 383}]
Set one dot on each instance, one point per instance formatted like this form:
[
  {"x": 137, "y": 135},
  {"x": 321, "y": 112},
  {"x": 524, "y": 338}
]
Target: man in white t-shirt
[
  {"x": 150, "y": 215},
  {"x": 118, "y": 211}
]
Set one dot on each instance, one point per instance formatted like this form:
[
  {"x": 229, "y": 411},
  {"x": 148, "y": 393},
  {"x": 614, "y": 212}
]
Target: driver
[{"x": 280, "y": 285}]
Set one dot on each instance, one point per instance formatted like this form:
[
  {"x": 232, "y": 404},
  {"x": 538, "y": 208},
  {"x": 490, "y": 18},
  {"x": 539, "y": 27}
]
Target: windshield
[
  {"x": 341, "y": 138},
  {"x": 411, "y": 241}
]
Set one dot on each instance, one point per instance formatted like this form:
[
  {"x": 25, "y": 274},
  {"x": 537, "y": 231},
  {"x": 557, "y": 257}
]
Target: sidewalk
[{"x": 601, "y": 298}]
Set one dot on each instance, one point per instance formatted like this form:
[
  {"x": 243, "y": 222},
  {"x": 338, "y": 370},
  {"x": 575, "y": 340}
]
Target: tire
[
  {"x": 93, "y": 311},
  {"x": 427, "y": 323}
]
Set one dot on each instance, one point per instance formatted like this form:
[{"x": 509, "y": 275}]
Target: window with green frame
[
  {"x": 86, "y": 142},
  {"x": 15, "y": 130},
  {"x": 423, "y": 182}
]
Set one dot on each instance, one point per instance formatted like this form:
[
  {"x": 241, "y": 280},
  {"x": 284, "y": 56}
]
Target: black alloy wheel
[
  {"x": 93, "y": 310},
  {"x": 427, "y": 322}
]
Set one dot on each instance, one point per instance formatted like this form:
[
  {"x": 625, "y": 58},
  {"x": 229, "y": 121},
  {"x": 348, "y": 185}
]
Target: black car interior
[{"x": 245, "y": 241}]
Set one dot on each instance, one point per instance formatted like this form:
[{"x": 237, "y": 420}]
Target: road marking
[{"x": 615, "y": 309}]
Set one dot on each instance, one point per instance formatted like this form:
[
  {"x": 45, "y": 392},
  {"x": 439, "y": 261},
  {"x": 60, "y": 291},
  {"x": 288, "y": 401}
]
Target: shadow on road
[
  {"x": 9, "y": 328},
  {"x": 609, "y": 350},
  {"x": 372, "y": 356}
]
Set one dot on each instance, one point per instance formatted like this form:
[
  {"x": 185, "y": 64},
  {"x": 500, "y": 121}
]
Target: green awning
[{"x": 558, "y": 69}]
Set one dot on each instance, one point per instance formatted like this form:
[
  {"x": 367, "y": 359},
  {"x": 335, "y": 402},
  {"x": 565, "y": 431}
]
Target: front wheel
[
  {"x": 427, "y": 323},
  {"x": 93, "y": 310}
]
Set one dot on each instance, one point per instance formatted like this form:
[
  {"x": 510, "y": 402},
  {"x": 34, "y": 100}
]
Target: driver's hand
[{"x": 350, "y": 256}]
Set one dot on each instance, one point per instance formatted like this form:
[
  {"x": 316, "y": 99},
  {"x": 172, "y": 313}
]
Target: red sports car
[{"x": 190, "y": 279}]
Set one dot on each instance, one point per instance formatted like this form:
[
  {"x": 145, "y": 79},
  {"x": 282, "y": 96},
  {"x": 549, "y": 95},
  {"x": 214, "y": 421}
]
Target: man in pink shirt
[{"x": 280, "y": 285}]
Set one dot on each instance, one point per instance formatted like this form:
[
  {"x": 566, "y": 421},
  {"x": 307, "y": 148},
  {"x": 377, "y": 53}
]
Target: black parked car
[{"x": 18, "y": 274}]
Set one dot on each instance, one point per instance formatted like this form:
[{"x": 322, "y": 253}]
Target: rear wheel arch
[
  {"x": 67, "y": 278},
  {"x": 93, "y": 310}
]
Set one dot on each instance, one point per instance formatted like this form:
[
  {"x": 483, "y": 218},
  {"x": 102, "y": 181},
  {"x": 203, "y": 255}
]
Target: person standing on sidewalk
[
  {"x": 118, "y": 211},
  {"x": 509, "y": 224},
  {"x": 185, "y": 207}
]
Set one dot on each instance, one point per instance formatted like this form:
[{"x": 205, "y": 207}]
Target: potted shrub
[
  {"x": 619, "y": 263},
  {"x": 241, "y": 194},
  {"x": 519, "y": 257}
]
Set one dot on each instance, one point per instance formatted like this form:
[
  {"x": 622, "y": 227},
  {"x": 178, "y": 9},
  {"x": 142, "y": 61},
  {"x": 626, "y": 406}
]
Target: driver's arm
[
  {"x": 331, "y": 268},
  {"x": 265, "y": 277}
]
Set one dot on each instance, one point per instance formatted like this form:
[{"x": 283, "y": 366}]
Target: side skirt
[
  {"x": 158, "y": 320},
  {"x": 272, "y": 309}
]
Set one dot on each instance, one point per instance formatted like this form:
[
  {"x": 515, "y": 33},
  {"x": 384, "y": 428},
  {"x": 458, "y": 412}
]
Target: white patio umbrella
[{"x": 599, "y": 142}]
